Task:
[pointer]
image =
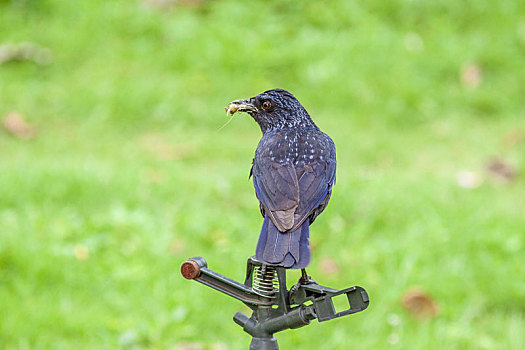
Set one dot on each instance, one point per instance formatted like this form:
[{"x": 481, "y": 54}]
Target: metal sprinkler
[{"x": 275, "y": 308}]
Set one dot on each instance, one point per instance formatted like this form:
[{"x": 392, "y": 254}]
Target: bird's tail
[{"x": 288, "y": 249}]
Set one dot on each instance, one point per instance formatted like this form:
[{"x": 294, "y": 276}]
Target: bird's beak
[{"x": 240, "y": 106}]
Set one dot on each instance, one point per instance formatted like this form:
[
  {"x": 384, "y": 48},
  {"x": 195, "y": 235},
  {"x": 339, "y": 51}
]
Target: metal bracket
[{"x": 274, "y": 307}]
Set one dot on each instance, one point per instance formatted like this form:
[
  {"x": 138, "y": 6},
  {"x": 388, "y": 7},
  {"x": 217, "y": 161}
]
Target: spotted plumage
[{"x": 293, "y": 174}]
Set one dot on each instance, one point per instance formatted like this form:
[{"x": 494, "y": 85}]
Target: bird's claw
[{"x": 303, "y": 281}]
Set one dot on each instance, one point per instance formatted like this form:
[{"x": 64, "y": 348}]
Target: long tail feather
[{"x": 289, "y": 249}]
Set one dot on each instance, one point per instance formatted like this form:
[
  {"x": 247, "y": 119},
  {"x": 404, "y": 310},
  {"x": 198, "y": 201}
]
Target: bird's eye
[{"x": 266, "y": 105}]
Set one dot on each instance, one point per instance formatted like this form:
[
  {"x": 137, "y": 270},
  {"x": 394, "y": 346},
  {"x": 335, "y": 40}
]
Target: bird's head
[{"x": 273, "y": 109}]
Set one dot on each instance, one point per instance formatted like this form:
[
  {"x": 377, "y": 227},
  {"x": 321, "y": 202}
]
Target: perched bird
[{"x": 293, "y": 173}]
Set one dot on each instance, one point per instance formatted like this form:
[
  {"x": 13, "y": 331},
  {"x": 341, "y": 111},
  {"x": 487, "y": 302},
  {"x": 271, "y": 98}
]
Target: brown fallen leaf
[
  {"x": 471, "y": 75},
  {"x": 25, "y": 52},
  {"x": 15, "y": 124},
  {"x": 501, "y": 170},
  {"x": 329, "y": 266},
  {"x": 419, "y": 303}
]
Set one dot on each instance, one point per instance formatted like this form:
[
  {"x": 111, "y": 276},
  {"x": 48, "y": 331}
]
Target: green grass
[{"x": 128, "y": 166}]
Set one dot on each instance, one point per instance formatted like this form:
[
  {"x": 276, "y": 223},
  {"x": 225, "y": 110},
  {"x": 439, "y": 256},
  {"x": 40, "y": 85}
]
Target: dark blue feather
[{"x": 290, "y": 249}]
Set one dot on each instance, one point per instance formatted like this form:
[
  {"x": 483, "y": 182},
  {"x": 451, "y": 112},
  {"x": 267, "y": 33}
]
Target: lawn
[{"x": 124, "y": 173}]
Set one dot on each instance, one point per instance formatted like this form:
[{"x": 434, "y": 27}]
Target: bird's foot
[{"x": 303, "y": 280}]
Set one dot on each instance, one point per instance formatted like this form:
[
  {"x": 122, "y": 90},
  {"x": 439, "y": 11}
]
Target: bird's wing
[
  {"x": 289, "y": 195},
  {"x": 314, "y": 187},
  {"x": 277, "y": 188}
]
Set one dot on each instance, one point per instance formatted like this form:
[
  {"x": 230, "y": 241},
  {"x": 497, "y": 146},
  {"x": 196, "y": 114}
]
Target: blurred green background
[{"x": 113, "y": 171}]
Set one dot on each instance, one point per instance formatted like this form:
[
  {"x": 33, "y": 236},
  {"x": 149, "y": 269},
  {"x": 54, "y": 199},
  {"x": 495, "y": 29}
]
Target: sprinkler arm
[{"x": 197, "y": 269}]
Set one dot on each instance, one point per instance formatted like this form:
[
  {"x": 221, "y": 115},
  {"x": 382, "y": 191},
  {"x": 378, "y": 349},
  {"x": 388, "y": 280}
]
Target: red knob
[{"x": 190, "y": 269}]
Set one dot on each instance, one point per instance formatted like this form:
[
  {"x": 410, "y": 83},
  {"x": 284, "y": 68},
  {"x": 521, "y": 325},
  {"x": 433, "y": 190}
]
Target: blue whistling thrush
[{"x": 293, "y": 174}]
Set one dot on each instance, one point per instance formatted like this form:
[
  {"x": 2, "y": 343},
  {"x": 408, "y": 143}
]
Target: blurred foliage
[{"x": 124, "y": 174}]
